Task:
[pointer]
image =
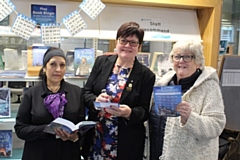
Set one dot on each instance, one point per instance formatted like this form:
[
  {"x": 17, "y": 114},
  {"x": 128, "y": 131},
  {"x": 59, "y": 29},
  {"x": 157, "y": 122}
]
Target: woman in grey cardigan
[{"x": 194, "y": 134}]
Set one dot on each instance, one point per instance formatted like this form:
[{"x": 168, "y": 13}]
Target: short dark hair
[{"x": 131, "y": 29}]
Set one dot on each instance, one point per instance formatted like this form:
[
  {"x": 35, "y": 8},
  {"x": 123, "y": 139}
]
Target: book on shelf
[
  {"x": 166, "y": 99},
  {"x": 24, "y": 59},
  {"x": 5, "y": 102},
  {"x": 161, "y": 63},
  {"x": 83, "y": 61},
  {"x": 71, "y": 74},
  {"x": 6, "y": 143},
  {"x": 100, "y": 105},
  {"x": 11, "y": 59},
  {"x": 70, "y": 59},
  {"x": 13, "y": 74},
  {"x": 69, "y": 126},
  {"x": 35, "y": 55},
  {"x": 1, "y": 63},
  {"x": 144, "y": 58}
]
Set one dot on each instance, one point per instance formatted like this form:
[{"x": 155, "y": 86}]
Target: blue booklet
[
  {"x": 6, "y": 143},
  {"x": 166, "y": 99}
]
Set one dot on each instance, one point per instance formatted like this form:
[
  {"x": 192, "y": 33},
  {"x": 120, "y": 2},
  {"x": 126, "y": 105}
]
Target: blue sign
[{"x": 43, "y": 13}]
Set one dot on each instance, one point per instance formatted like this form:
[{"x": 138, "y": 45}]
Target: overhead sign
[{"x": 43, "y": 13}]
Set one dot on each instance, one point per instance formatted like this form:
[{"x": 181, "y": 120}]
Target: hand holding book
[
  {"x": 166, "y": 99},
  {"x": 184, "y": 109},
  {"x": 100, "y": 105},
  {"x": 68, "y": 126}
]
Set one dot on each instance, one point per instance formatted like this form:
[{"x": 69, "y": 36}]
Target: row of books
[
  {"x": 80, "y": 60},
  {"x": 10, "y": 60},
  {"x": 23, "y": 74}
]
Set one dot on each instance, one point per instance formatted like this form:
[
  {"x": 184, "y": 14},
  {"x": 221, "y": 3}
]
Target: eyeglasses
[
  {"x": 125, "y": 42},
  {"x": 186, "y": 58}
]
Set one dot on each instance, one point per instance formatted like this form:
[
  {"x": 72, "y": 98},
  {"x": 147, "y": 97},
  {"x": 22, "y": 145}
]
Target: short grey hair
[{"x": 192, "y": 46}]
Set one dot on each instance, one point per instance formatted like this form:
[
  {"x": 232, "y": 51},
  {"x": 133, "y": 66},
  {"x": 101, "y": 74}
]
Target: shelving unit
[{"x": 8, "y": 124}]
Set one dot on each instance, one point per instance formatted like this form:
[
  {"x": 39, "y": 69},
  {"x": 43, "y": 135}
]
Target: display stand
[{"x": 229, "y": 75}]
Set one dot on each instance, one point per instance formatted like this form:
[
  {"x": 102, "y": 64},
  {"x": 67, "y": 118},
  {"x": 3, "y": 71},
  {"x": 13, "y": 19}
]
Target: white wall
[{"x": 182, "y": 24}]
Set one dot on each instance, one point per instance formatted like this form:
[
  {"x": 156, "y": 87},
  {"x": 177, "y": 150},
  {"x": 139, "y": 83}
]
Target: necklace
[
  {"x": 55, "y": 89},
  {"x": 124, "y": 64},
  {"x": 118, "y": 69}
]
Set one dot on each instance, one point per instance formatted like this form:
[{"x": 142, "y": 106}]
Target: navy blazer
[{"x": 131, "y": 133}]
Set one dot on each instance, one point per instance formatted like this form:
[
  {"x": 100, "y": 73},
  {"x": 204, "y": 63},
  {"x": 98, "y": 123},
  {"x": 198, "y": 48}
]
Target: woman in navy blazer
[{"x": 120, "y": 132}]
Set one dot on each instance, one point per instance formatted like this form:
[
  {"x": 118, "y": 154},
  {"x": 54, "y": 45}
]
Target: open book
[{"x": 69, "y": 126}]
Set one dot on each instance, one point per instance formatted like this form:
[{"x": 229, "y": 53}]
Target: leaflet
[{"x": 166, "y": 99}]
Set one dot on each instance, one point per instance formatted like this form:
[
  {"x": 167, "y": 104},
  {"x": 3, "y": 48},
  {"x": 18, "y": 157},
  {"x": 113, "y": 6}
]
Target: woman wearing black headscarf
[{"x": 43, "y": 103}]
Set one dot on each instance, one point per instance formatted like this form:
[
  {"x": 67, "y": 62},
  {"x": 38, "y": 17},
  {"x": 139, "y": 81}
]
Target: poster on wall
[{"x": 43, "y": 13}]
